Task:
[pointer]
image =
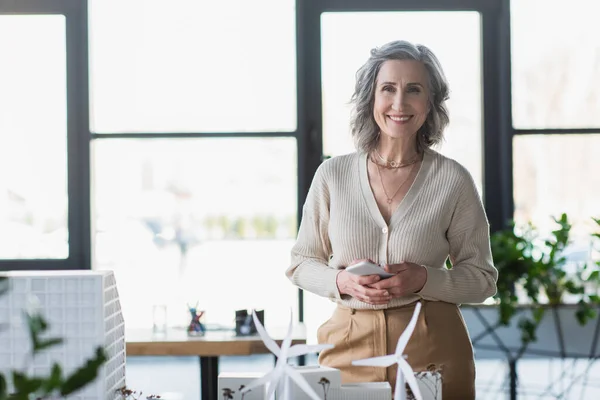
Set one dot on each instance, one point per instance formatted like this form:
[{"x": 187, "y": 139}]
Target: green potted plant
[{"x": 536, "y": 265}]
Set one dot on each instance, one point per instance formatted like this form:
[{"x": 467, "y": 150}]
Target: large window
[
  {"x": 43, "y": 155},
  {"x": 33, "y": 178},
  {"x": 185, "y": 165},
  {"x": 555, "y": 64},
  {"x": 192, "y": 66},
  {"x": 186, "y": 221},
  {"x": 193, "y": 115},
  {"x": 555, "y": 174},
  {"x": 555, "y": 103}
]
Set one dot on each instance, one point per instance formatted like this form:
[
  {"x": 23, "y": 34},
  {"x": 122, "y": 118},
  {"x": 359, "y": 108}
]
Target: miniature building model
[
  {"x": 327, "y": 383},
  {"x": 317, "y": 382},
  {"x": 83, "y": 308},
  {"x": 230, "y": 385}
]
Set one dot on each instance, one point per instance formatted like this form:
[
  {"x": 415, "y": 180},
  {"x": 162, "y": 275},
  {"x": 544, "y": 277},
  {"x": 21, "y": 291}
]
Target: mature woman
[{"x": 404, "y": 206}]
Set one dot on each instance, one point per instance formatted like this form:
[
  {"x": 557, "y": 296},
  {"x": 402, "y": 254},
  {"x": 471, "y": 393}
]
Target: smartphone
[{"x": 368, "y": 268}]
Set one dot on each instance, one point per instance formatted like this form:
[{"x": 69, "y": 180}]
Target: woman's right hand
[{"x": 357, "y": 287}]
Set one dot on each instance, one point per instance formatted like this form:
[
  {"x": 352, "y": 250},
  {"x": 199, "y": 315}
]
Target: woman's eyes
[{"x": 392, "y": 89}]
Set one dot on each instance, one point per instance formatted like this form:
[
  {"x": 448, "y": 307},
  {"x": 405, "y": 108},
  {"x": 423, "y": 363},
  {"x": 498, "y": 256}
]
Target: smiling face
[{"x": 401, "y": 98}]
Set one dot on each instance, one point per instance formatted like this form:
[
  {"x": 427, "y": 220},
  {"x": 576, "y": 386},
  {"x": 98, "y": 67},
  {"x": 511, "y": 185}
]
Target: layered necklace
[
  {"x": 384, "y": 162},
  {"x": 393, "y": 164}
]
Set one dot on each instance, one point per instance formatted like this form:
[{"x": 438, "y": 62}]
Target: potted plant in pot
[{"x": 538, "y": 267}]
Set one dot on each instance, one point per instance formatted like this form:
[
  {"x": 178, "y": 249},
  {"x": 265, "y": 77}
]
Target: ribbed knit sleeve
[
  {"x": 472, "y": 278},
  {"x": 309, "y": 267}
]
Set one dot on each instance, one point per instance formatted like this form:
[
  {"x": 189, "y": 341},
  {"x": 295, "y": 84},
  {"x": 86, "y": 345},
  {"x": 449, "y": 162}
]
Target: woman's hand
[
  {"x": 409, "y": 278},
  {"x": 360, "y": 287}
]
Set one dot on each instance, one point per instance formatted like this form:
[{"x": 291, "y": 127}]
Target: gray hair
[{"x": 365, "y": 130}]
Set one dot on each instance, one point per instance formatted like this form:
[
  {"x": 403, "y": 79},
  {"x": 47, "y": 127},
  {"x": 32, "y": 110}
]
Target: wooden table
[{"x": 208, "y": 348}]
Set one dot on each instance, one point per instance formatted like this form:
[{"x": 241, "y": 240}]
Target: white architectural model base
[
  {"x": 327, "y": 383},
  {"x": 83, "y": 308}
]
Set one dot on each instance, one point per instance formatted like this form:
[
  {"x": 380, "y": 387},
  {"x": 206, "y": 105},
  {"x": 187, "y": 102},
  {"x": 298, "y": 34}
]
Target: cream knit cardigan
[{"x": 440, "y": 216}]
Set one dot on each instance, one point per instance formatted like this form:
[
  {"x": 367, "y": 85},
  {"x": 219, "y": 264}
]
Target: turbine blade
[
  {"x": 300, "y": 349},
  {"x": 302, "y": 383},
  {"x": 269, "y": 343},
  {"x": 403, "y": 340},
  {"x": 400, "y": 394},
  {"x": 258, "y": 382},
  {"x": 384, "y": 361},
  {"x": 271, "y": 391},
  {"x": 409, "y": 376},
  {"x": 287, "y": 341},
  {"x": 275, "y": 381}
]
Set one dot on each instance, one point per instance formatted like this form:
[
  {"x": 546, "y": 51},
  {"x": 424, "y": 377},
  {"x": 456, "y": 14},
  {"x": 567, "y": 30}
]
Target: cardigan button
[{"x": 384, "y": 230}]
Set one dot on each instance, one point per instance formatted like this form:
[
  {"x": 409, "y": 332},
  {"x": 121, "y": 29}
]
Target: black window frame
[{"x": 75, "y": 13}]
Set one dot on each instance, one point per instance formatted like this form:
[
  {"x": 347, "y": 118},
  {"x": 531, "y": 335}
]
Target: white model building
[
  {"x": 326, "y": 382},
  {"x": 83, "y": 308},
  {"x": 231, "y": 383}
]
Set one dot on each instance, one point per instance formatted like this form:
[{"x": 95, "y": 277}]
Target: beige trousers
[{"x": 440, "y": 338}]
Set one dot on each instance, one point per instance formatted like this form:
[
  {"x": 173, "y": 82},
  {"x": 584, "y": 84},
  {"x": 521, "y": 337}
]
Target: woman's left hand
[{"x": 409, "y": 278}]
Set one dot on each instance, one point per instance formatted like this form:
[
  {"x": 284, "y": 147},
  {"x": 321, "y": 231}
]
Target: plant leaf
[
  {"x": 54, "y": 381},
  {"x": 528, "y": 330},
  {"x": 25, "y": 385},
  {"x": 594, "y": 298},
  {"x": 45, "y": 343},
  {"x": 594, "y": 276},
  {"x": 3, "y": 388},
  {"x": 538, "y": 314},
  {"x": 85, "y": 374}
]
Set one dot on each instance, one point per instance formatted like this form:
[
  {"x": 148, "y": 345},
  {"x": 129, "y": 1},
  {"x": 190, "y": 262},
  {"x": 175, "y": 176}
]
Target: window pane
[
  {"x": 200, "y": 220},
  {"x": 555, "y": 174},
  {"x": 555, "y": 64},
  {"x": 192, "y": 65},
  {"x": 345, "y": 48},
  {"x": 33, "y": 137}
]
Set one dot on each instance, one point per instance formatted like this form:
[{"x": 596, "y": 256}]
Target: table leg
[
  {"x": 209, "y": 378},
  {"x": 512, "y": 374}
]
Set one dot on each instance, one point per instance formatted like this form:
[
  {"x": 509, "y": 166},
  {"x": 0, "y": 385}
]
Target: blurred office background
[{"x": 174, "y": 143}]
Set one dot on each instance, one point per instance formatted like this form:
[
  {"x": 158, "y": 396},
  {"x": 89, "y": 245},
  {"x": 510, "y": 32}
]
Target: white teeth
[{"x": 399, "y": 119}]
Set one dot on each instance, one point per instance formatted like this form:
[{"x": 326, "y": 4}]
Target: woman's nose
[{"x": 398, "y": 101}]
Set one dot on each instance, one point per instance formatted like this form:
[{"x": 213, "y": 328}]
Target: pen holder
[{"x": 244, "y": 324}]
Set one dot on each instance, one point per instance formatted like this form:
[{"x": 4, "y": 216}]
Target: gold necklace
[
  {"x": 390, "y": 199},
  {"x": 394, "y": 163}
]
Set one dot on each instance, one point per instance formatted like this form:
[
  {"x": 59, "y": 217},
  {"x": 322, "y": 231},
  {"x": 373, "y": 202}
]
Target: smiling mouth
[{"x": 396, "y": 118}]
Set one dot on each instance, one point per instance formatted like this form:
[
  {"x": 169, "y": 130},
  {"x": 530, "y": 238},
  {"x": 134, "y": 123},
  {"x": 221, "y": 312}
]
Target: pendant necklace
[{"x": 390, "y": 199}]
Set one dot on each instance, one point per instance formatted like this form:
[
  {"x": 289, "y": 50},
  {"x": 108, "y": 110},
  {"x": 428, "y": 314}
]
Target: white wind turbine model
[
  {"x": 279, "y": 377},
  {"x": 404, "y": 369}
]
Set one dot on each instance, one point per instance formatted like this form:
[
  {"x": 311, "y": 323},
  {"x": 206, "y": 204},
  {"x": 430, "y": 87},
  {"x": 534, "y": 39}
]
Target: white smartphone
[{"x": 368, "y": 268}]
